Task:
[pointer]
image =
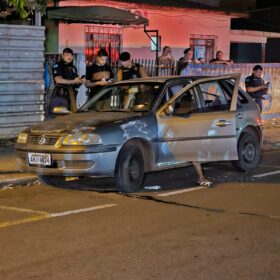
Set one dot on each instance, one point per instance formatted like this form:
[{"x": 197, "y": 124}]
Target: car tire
[
  {"x": 248, "y": 152},
  {"x": 130, "y": 169},
  {"x": 51, "y": 180}
]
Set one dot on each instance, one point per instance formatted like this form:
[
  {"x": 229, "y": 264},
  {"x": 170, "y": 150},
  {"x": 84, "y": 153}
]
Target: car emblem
[{"x": 43, "y": 140}]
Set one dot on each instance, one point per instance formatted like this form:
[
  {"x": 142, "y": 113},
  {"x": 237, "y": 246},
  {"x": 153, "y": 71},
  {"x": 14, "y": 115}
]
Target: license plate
[{"x": 42, "y": 159}]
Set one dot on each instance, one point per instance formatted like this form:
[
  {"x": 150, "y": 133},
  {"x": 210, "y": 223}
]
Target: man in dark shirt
[
  {"x": 220, "y": 59},
  {"x": 255, "y": 85},
  {"x": 130, "y": 70},
  {"x": 65, "y": 73},
  {"x": 99, "y": 74}
]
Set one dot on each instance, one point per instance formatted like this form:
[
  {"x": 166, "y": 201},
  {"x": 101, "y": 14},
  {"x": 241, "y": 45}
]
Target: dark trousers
[{"x": 259, "y": 102}]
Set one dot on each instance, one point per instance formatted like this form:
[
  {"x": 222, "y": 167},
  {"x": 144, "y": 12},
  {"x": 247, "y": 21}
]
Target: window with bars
[
  {"x": 100, "y": 37},
  {"x": 204, "y": 46}
]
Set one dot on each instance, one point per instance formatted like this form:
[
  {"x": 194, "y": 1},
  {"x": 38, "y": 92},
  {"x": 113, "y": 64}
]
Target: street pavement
[
  {"x": 175, "y": 232},
  {"x": 172, "y": 229}
]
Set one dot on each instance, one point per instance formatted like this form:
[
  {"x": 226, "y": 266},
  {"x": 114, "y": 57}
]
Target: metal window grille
[
  {"x": 204, "y": 46},
  {"x": 107, "y": 37}
]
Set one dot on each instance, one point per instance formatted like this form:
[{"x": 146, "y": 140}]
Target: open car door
[{"x": 198, "y": 123}]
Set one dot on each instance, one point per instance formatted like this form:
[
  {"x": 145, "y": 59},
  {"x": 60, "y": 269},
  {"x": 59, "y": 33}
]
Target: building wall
[
  {"x": 174, "y": 28},
  {"x": 21, "y": 77}
]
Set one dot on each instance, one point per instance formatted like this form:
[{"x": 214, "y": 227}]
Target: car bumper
[{"x": 100, "y": 164}]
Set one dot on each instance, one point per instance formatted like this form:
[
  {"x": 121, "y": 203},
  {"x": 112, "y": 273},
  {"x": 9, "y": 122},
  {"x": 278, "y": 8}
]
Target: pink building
[
  {"x": 180, "y": 24},
  {"x": 206, "y": 29}
]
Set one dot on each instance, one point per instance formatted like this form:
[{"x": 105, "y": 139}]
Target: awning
[{"x": 94, "y": 14}]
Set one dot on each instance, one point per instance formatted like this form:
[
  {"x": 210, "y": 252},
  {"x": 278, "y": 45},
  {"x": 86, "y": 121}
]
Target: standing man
[
  {"x": 220, "y": 59},
  {"x": 185, "y": 61},
  {"x": 65, "y": 73},
  {"x": 99, "y": 74},
  {"x": 130, "y": 70},
  {"x": 166, "y": 59},
  {"x": 255, "y": 85}
]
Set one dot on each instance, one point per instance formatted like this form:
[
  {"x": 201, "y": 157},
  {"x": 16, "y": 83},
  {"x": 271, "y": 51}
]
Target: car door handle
[
  {"x": 240, "y": 116},
  {"x": 222, "y": 123}
]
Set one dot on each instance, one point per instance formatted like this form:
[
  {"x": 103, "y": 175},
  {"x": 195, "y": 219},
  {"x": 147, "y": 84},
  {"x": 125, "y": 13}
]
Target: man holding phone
[
  {"x": 99, "y": 74},
  {"x": 256, "y": 86},
  {"x": 65, "y": 75}
]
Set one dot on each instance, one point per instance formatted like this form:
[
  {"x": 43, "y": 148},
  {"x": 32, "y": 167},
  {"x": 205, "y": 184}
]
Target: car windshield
[{"x": 130, "y": 97}]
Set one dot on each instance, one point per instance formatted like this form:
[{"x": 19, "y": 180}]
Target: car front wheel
[
  {"x": 130, "y": 169},
  {"x": 248, "y": 152}
]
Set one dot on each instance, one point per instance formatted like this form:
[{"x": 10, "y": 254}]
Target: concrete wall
[{"x": 21, "y": 77}]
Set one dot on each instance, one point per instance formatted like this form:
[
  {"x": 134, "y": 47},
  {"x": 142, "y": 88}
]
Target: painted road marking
[
  {"x": 266, "y": 174},
  {"x": 182, "y": 191},
  {"x": 53, "y": 215},
  {"x": 22, "y": 210},
  {"x": 77, "y": 211},
  {"x": 23, "y": 221}
]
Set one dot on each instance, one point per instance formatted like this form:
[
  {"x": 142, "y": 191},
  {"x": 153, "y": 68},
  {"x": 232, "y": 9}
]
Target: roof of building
[
  {"x": 168, "y": 4},
  {"x": 180, "y": 4},
  {"x": 95, "y": 14}
]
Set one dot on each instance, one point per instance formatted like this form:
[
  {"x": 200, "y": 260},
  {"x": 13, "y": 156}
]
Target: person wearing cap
[
  {"x": 256, "y": 86},
  {"x": 64, "y": 71},
  {"x": 65, "y": 74},
  {"x": 99, "y": 74},
  {"x": 130, "y": 70}
]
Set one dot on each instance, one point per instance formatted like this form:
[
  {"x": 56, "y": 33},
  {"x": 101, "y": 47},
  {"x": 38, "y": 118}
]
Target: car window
[
  {"x": 170, "y": 92},
  {"x": 213, "y": 97},
  {"x": 185, "y": 103},
  {"x": 124, "y": 97},
  {"x": 228, "y": 87}
]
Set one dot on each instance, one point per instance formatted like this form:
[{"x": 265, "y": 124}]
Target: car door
[{"x": 203, "y": 129}]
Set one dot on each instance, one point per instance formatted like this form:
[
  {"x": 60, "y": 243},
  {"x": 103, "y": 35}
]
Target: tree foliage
[{"x": 26, "y": 7}]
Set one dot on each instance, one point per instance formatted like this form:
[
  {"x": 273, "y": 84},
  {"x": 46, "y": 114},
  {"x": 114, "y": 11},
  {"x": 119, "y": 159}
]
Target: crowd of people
[
  {"x": 167, "y": 60},
  {"x": 100, "y": 74}
]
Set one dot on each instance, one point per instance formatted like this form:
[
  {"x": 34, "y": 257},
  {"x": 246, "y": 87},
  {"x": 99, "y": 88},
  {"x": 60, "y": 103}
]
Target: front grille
[{"x": 42, "y": 140}]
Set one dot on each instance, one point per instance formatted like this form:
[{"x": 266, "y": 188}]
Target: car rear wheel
[
  {"x": 248, "y": 152},
  {"x": 130, "y": 169}
]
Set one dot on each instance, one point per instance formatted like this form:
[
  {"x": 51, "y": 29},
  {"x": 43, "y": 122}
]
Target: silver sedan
[{"x": 133, "y": 127}]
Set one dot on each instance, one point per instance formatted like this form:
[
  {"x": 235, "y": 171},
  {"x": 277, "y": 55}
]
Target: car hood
[{"x": 80, "y": 120}]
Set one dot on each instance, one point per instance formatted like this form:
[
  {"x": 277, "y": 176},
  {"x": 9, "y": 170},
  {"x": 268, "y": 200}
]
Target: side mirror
[
  {"x": 169, "y": 110},
  {"x": 60, "y": 110}
]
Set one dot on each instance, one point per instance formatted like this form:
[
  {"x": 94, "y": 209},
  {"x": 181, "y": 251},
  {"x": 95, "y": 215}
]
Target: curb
[{"x": 18, "y": 181}]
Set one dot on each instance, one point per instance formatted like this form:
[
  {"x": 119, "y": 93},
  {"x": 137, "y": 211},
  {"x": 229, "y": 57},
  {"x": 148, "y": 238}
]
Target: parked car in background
[{"x": 142, "y": 125}]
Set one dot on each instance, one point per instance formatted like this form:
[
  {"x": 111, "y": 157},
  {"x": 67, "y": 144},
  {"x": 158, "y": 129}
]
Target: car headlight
[
  {"x": 81, "y": 139},
  {"x": 22, "y": 138}
]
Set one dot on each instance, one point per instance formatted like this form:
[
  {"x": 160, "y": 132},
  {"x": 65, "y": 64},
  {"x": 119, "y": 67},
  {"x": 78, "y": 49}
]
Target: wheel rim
[
  {"x": 134, "y": 170},
  {"x": 249, "y": 152}
]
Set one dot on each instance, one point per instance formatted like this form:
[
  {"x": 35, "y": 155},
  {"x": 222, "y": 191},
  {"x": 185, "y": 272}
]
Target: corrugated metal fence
[{"x": 22, "y": 87}]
